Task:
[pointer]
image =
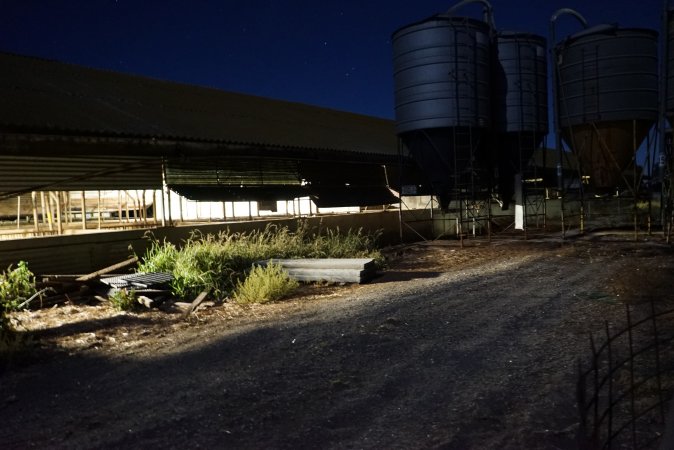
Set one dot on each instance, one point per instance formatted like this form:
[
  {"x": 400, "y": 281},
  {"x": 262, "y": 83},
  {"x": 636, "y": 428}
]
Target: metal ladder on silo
[{"x": 472, "y": 201}]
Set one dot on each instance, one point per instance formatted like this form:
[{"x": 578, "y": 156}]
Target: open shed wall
[{"x": 77, "y": 254}]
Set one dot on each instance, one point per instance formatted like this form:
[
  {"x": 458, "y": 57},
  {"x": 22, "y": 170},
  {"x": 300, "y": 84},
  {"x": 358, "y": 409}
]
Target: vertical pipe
[
  {"x": 400, "y": 193},
  {"x": 635, "y": 182},
  {"x": 163, "y": 207},
  {"x": 18, "y": 212},
  {"x": 649, "y": 164},
  {"x": 461, "y": 222},
  {"x": 180, "y": 209},
  {"x": 69, "y": 206},
  {"x": 98, "y": 210},
  {"x": 33, "y": 201},
  {"x": 555, "y": 103},
  {"x": 224, "y": 211},
  {"x": 664, "y": 72},
  {"x": 137, "y": 214},
  {"x": 84, "y": 210},
  {"x": 154, "y": 206},
  {"x": 489, "y": 218},
  {"x": 46, "y": 216},
  {"x": 165, "y": 192},
  {"x": 57, "y": 200},
  {"x": 51, "y": 215},
  {"x": 126, "y": 206},
  {"x": 119, "y": 206},
  {"x": 144, "y": 209},
  {"x": 556, "y": 112}
]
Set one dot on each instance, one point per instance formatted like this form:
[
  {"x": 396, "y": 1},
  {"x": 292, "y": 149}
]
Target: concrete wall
[{"x": 85, "y": 253}]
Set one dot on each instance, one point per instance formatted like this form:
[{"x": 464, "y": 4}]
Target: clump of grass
[
  {"x": 216, "y": 263},
  {"x": 265, "y": 284},
  {"x": 16, "y": 287},
  {"x": 123, "y": 299},
  {"x": 160, "y": 257}
]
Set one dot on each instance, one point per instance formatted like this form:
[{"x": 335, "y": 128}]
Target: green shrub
[
  {"x": 216, "y": 263},
  {"x": 265, "y": 284},
  {"x": 123, "y": 300},
  {"x": 160, "y": 257},
  {"x": 16, "y": 286}
]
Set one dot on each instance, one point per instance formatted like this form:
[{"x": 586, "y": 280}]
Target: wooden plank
[
  {"x": 108, "y": 269},
  {"x": 196, "y": 302}
]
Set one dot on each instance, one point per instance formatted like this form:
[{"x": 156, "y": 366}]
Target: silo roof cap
[
  {"x": 444, "y": 17},
  {"x": 604, "y": 29}
]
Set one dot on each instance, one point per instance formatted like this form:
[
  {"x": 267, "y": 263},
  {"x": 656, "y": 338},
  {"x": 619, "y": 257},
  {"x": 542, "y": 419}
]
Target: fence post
[
  {"x": 632, "y": 388},
  {"x": 657, "y": 362},
  {"x": 609, "y": 354}
]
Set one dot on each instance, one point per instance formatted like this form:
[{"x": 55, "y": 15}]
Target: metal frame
[
  {"x": 625, "y": 372},
  {"x": 585, "y": 201}
]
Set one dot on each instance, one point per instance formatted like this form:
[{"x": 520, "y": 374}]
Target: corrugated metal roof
[
  {"x": 24, "y": 173},
  {"x": 43, "y": 97},
  {"x": 232, "y": 172}
]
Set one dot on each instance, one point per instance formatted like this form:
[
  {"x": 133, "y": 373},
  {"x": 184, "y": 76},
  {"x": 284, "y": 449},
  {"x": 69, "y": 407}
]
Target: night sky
[{"x": 334, "y": 54}]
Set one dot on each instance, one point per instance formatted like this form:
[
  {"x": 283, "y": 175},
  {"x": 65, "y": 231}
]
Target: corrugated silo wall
[{"x": 85, "y": 253}]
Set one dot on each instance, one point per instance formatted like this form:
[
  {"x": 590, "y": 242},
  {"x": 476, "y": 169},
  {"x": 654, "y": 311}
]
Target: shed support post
[
  {"x": 84, "y": 211},
  {"x": 99, "y": 210},
  {"x": 36, "y": 222},
  {"x": 18, "y": 212}
]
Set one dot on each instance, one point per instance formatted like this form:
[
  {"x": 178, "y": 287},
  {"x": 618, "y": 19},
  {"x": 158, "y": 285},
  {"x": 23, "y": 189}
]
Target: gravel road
[{"x": 452, "y": 347}]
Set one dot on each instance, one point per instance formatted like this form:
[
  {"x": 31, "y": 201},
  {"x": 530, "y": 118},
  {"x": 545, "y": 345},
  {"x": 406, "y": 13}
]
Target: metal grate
[{"x": 139, "y": 280}]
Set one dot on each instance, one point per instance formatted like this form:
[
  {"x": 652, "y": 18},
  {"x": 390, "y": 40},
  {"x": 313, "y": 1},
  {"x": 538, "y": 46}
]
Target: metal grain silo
[
  {"x": 607, "y": 88},
  {"x": 442, "y": 97},
  {"x": 520, "y": 99}
]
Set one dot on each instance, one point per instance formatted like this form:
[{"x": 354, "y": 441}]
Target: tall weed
[
  {"x": 264, "y": 284},
  {"x": 217, "y": 263},
  {"x": 16, "y": 286}
]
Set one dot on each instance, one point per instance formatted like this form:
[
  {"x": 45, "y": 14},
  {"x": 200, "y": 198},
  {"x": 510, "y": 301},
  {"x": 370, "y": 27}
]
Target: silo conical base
[
  {"x": 454, "y": 160},
  {"x": 605, "y": 149},
  {"x": 514, "y": 152}
]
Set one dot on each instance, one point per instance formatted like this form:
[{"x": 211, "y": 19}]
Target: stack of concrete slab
[{"x": 335, "y": 270}]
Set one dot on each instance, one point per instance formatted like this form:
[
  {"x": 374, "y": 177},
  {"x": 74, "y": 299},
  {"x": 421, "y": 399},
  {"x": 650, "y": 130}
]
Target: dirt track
[{"x": 451, "y": 348}]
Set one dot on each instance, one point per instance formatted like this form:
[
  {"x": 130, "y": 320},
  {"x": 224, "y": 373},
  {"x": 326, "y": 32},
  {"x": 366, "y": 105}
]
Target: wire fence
[{"x": 623, "y": 394}]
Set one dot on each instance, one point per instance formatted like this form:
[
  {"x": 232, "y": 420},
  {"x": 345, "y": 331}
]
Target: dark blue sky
[{"x": 335, "y": 54}]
